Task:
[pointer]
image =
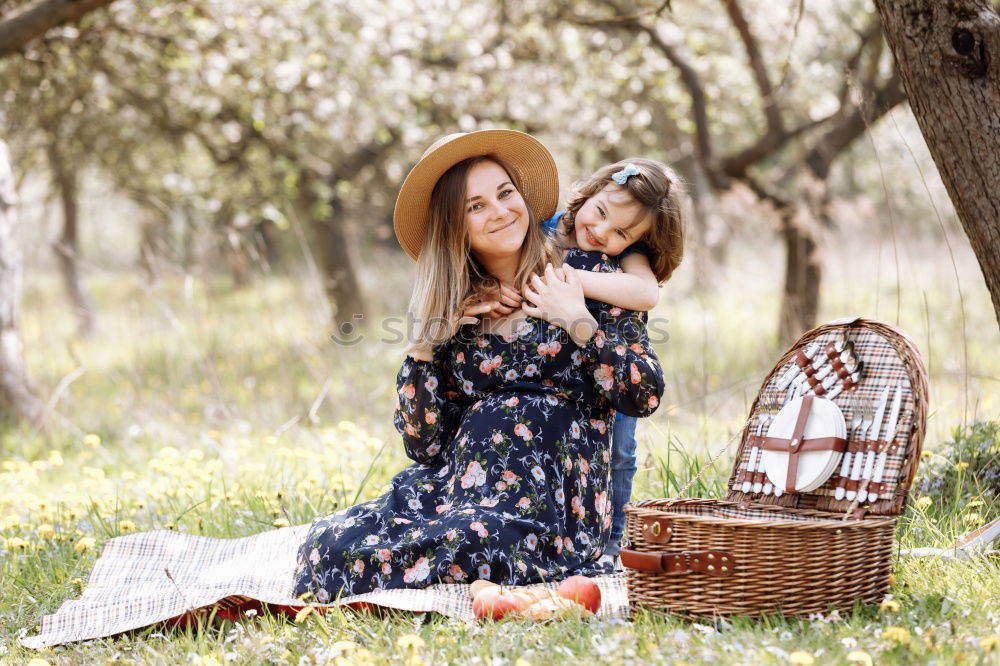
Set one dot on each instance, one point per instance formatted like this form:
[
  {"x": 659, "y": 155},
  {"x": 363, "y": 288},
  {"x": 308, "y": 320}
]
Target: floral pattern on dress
[{"x": 511, "y": 440}]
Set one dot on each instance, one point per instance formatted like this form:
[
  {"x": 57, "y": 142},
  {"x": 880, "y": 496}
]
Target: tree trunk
[
  {"x": 152, "y": 225},
  {"x": 67, "y": 249},
  {"x": 17, "y": 398},
  {"x": 802, "y": 224},
  {"x": 340, "y": 282},
  {"x": 948, "y": 54},
  {"x": 236, "y": 258}
]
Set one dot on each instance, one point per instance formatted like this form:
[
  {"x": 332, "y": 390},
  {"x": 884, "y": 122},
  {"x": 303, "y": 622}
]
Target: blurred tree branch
[{"x": 34, "y": 20}]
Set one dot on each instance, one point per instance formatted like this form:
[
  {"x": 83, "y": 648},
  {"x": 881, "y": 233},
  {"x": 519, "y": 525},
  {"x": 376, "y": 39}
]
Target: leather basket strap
[
  {"x": 838, "y": 444},
  {"x": 711, "y": 562},
  {"x": 793, "y": 454}
]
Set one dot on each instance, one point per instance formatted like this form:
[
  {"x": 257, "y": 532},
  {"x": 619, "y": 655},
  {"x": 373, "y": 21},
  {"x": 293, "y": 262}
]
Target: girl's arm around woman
[{"x": 615, "y": 349}]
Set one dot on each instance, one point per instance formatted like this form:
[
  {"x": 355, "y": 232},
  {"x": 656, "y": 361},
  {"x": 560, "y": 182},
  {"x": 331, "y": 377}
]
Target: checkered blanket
[{"x": 150, "y": 577}]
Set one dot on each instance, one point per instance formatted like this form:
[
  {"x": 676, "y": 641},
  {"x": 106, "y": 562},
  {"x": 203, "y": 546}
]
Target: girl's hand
[{"x": 558, "y": 299}]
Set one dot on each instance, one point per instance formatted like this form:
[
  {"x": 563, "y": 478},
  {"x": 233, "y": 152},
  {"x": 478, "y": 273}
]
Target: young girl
[{"x": 631, "y": 210}]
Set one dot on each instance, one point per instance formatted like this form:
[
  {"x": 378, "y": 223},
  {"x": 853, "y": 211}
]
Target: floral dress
[{"x": 511, "y": 438}]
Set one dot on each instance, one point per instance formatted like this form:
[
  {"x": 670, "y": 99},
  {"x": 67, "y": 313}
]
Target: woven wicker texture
[
  {"x": 799, "y": 553},
  {"x": 794, "y": 561}
]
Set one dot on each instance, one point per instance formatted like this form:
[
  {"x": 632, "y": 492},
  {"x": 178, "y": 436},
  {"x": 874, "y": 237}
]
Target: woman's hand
[
  {"x": 558, "y": 299},
  {"x": 506, "y": 302}
]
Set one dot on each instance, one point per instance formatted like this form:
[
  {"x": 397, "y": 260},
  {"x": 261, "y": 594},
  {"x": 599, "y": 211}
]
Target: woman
[{"x": 509, "y": 420}]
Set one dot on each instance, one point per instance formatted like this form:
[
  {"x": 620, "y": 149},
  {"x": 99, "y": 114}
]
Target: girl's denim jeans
[{"x": 623, "y": 466}]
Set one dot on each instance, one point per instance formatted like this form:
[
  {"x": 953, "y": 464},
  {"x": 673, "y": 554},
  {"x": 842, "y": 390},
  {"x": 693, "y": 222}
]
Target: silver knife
[
  {"x": 890, "y": 436},
  {"x": 873, "y": 437},
  {"x": 873, "y": 433}
]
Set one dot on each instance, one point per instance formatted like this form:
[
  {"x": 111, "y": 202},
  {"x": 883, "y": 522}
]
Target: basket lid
[{"x": 874, "y": 375}]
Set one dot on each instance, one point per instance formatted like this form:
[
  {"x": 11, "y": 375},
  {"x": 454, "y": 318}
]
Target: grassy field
[{"x": 225, "y": 413}]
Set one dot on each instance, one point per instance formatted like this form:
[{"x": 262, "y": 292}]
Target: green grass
[{"x": 224, "y": 413}]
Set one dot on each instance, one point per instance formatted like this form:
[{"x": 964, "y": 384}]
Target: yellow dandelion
[
  {"x": 46, "y": 532},
  {"x": 304, "y": 612},
  {"x": 972, "y": 518},
  {"x": 521, "y": 661},
  {"x": 924, "y": 502},
  {"x": 801, "y": 657},
  {"x": 76, "y": 583},
  {"x": 207, "y": 660},
  {"x": 126, "y": 526},
  {"x": 925, "y": 455},
  {"x": 990, "y": 643},
  {"x": 92, "y": 440},
  {"x": 344, "y": 646},
  {"x": 363, "y": 656},
  {"x": 860, "y": 657},
  {"x": 55, "y": 458},
  {"x": 961, "y": 465},
  {"x": 897, "y": 635},
  {"x": 85, "y": 544},
  {"x": 892, "y": 580},
  {"x": 889, "y": 606},
  {"x": 408, "y": 641},
  {"x": 37, "y": 661},
  {"x": 974, "y": 504},
  {"x": 16, "y": 543},
  {"x": 281, "y": 522}
]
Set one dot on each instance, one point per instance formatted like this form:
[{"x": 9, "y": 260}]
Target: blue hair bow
[{"x": 621, "y": 177}]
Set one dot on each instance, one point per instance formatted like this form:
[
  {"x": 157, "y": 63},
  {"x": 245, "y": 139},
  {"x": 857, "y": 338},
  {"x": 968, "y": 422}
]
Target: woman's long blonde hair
[{"x": 449, "y": 277}]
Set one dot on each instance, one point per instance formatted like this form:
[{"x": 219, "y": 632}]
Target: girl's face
[
  {"x": 496, "y": 216},
  {"x": 606, "y": 222}
]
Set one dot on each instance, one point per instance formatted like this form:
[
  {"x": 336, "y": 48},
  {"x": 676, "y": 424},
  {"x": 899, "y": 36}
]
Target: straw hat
[{"x": 525, "y": 155}]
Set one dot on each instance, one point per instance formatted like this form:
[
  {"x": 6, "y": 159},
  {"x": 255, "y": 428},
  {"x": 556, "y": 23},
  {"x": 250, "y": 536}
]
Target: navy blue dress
[{"x": 511, "y": 438}]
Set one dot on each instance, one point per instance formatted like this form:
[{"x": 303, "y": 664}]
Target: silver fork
[
  {"x": 772, "y": 408},
  {"x": 768, "y": 487},
  {"x": 856, "y": 406},
  {"x": 755, "y": 452},
  {"x": 867, "y": 417}
]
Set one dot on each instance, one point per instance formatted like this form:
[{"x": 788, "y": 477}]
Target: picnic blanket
[{"x": 151, "y": 577}]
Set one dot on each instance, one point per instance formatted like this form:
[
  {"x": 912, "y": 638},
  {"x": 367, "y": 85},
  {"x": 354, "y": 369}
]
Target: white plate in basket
[{"x": 815, "y": 467}]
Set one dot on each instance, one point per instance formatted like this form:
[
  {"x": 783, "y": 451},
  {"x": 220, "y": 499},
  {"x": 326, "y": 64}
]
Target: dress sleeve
[
  {"x": 428, "y": 413},
  {"x": 622, "y": 363}
]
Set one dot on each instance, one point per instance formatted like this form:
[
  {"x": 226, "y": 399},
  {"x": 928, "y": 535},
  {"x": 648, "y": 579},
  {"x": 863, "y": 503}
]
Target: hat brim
[{"x": 529, "y": 159}]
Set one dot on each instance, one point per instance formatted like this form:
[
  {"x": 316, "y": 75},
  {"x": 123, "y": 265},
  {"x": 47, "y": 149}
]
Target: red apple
[
  {"x": 495, "y": 602},
  {"x": 581, "y": 590}
]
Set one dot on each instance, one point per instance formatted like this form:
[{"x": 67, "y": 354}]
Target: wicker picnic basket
[{"x": 755, "y": 553}]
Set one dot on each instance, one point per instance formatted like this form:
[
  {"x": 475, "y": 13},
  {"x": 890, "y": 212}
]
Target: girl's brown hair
[
  {"x": 449, "y": 277},
  {"x": 660, "y": 191}
]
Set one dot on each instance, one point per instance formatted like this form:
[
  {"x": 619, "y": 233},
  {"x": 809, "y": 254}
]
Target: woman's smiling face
[{"x": 496, "y": 216}]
